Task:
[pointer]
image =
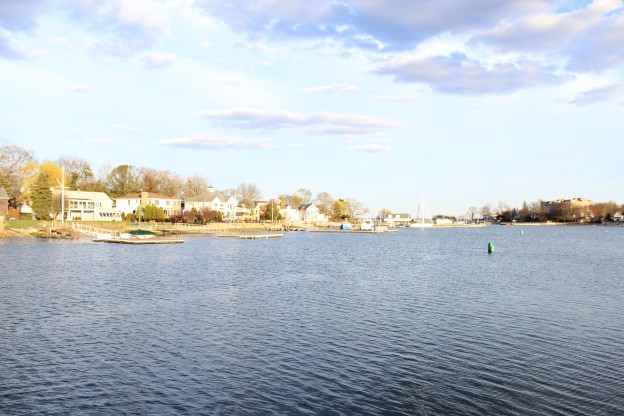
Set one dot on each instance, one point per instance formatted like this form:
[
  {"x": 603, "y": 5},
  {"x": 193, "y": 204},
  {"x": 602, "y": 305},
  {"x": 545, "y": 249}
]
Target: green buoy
[
  {"x": 521, "y": 232},
  {"x": 490, "y": 247}
]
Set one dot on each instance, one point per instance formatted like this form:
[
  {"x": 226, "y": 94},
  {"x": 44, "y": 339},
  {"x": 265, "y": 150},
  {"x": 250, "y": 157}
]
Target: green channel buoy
[
  {"x": 521, "y": 232},
  {"x": 490, "y": 247}
]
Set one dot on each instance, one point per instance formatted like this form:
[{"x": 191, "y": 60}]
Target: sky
[{"x": 466, "y": 102}]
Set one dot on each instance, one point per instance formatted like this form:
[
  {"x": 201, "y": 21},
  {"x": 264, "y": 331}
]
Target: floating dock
[
  {"x": 251, "y": 236},
  {"x": 353, "y": 231},
  {"x": 138, "y": 241}
]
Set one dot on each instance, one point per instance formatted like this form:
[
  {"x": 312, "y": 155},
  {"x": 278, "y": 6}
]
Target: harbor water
[{"x": 422, "y": 321}]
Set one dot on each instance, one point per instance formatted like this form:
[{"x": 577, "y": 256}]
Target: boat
[
  {"x": 142, "y": 234},
  {"x": 346, "y": 226},
  {"x": 421, "y": 223}
]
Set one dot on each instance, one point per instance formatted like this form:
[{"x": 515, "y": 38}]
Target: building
[
  {"x": 129, "y": 204},
  {"x": 289, "y": 213},
  {"x": 397, "y": 219},
  {"x": 309, "y": 213},
  {"x": 86, "y": 206},
  {"x": 573, "y": 209},
  {"x": 214, "y": 201}
]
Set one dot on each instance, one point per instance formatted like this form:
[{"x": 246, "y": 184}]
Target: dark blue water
[{"x": 415, "y": 322}]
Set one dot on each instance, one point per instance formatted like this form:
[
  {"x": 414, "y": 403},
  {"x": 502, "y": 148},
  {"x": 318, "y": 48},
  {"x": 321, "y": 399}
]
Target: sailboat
[{"x": 421, "y": 223}]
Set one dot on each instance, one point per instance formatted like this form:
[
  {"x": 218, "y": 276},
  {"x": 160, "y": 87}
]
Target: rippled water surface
[{"x": 414, "y": 322}]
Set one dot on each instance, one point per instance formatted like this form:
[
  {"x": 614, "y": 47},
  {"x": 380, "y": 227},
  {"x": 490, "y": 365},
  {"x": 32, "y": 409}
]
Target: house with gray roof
[{"x": 214, "y": 201}]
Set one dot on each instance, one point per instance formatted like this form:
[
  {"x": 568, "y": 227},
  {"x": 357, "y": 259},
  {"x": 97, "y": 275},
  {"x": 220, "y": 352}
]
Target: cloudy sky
[{"x": 465, "y": 101}]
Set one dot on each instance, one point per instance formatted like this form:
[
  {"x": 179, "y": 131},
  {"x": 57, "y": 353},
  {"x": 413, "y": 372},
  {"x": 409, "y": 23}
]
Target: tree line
[
  {"x": 537, "y": 211},
  {"x": 29, "y": 181}
]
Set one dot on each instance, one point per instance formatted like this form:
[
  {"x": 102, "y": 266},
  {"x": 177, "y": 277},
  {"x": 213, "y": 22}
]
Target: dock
[
  {"x": 251, "y": 236},
  {"x": 138, "y": 241},
  {"x": 353, "y": 231}
]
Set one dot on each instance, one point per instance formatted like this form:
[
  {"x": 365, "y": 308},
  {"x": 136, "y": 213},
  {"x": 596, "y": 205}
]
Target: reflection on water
[{"x": 415, "y": 322}]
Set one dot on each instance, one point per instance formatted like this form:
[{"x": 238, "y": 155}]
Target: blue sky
[{"x": 466, "y": 101}]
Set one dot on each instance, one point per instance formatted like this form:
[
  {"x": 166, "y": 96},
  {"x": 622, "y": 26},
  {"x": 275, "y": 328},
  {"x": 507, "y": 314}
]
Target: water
[{"x": 415, "y": 322}]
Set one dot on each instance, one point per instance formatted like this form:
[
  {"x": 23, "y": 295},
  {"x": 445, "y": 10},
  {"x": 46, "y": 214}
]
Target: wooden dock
[
  {"x": 138, "y": 241},
  {"x": 251, "y": 236},
  {"x": 352, "y": 231}
]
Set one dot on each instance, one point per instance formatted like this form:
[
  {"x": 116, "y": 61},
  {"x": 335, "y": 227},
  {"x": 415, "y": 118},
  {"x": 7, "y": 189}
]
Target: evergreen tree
[{"x": 41, "y": 196}]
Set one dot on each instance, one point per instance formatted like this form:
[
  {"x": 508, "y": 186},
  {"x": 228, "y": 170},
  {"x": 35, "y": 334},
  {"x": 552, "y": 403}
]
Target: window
[{"x": 156, "y": 202}]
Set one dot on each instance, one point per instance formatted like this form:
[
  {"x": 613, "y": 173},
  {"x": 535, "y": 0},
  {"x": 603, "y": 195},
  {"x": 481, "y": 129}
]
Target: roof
[
  {"x": 208, "y": 196},
  {"x": 306, "y": 206},
  {"x": 90, "y": 196},
  {"x": 3, "y": 193},
  {"x": 151, "y": 195}
]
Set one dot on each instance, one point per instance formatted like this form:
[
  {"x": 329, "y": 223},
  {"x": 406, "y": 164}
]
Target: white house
[
  {"x": 87, "y": 206},
  {"x": 618, "y": 217},
  {"x": 129, "y": 204},
  {"x": 214, "y": 201},
  {"x": 309, "y": 213},
  {"x": 289, "y": 213},
  {"x": 397, "y": 219}
]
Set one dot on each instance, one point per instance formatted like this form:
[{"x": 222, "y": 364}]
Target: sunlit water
[{"x": 414, "y": 322}]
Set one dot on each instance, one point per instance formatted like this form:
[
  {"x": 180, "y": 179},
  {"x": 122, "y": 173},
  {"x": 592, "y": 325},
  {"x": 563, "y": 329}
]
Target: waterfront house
[
  {"x": 618, "y": 217},
  {"x": 397, "y": 219},
  {"x": 215, "y": 201},
  {"x": 86, "y": 206},
  {"x": 289, "y": 213},
  {"x": 129, "y": 204},
  {"x": 309, "y": 213}
]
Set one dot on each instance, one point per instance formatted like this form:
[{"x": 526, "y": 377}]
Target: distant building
[
  {"x": 618, "y": 217},
  {"x": 289, "y": 213},
  {"x": 309, "y": 213},
  {"x": 568, "y": 209},
  {"x": 129, "y": 204},
  {"x": 87, "y": 206},
  {"x": 214, "y": 201},
  {"x": 397, "y": 219}
]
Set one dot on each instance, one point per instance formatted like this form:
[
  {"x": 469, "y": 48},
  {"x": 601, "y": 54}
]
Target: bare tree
[
  {"x": 14, "y": 164},
  {"x": 472, "y": 212},
  {"x": 247, "y": 193},
  {"x": 355, "y": 208},
  {"x": 384, "y": 212},
  {"x": 305, "y": 194},
  {"x": 196, "y": 185},
  {"x": 324, "y": 202},
  {"x": 78, "y": 172},
  {"x": 486, "y": 210},
  {"x": 159, "y": 181}
]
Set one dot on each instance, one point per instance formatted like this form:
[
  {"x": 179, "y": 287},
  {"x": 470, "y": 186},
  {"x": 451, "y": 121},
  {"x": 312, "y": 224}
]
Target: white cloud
[
  {"x": 201, "y": 141},
  {"x": 332, "y": 88},
  {"x": 127, "y": 128},
  {"x": 397, "y": 99},
  {"x": 99, "y": 140},
  {"x": 459, "y": 75},
  {"x": 233, "y": 80},
  {"x": 371, "y": 148},
  {"x": 158, "y": 60},
  {"x": 604, "y": 93},
  {"x": 81, "y": 88},
  {"x": 10, "y": 50},
  {"x": 313, "y": 123}
]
